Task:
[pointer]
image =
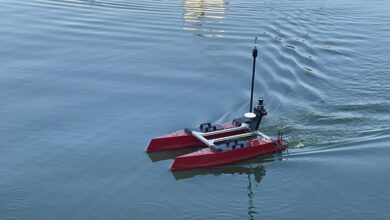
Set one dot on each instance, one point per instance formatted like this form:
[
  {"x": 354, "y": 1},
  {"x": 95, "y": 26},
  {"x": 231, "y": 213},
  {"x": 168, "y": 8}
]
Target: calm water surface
[{"x": 85, "y": 84}]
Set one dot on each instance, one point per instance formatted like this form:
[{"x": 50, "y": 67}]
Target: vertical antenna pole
[{"x": 254, "y": 55}]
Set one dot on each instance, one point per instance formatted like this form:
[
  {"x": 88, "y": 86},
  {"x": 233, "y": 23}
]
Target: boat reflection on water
[
  {"x": 253, "y": 171},
  {"x": 204, "y": 17},
  {"x": 251, "y": 208}
]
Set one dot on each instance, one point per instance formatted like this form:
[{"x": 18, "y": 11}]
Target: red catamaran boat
[{"x": 222, "y": 144}]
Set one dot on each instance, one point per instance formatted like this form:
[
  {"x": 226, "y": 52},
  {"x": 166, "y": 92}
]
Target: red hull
[
  {"x": 208, "y": 158},
  {"x": 180, "y": 140}
]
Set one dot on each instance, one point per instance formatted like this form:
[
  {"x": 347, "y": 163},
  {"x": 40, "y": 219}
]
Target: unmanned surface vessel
[{"x": 222, "y": 144}]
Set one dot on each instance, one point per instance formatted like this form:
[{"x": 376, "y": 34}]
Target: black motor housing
[{"x": 259, "y": 111}]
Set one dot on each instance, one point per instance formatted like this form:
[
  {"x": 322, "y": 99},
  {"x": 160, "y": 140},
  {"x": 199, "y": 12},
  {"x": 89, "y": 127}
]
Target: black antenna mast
[{"x": 254, "y": 55}]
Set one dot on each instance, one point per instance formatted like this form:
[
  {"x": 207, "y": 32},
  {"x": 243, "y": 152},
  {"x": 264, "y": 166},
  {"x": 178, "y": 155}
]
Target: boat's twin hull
[{"x": 207, "y": 158}]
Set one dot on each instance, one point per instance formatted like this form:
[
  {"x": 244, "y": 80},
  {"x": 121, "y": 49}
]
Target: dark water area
[{"x": 85, "y": 84}]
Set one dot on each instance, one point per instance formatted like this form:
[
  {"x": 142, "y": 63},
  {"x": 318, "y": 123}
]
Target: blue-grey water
[{"x": 85, "y": 84}]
